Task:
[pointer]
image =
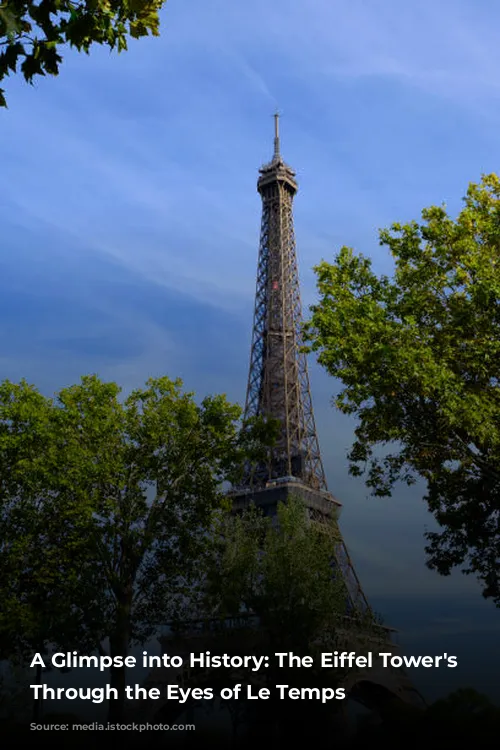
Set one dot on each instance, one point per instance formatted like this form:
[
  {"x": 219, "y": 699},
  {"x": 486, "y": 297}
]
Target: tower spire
[{"x": 277, "y": 154}]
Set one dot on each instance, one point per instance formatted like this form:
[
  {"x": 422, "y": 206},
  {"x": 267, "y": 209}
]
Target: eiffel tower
[{"x": 278, "y": 388}]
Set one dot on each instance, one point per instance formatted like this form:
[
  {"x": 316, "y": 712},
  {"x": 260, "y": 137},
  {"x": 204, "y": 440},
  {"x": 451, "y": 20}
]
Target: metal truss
[
  {"x": 278, "y": 383},
  {"x": 278, "y": 388}
]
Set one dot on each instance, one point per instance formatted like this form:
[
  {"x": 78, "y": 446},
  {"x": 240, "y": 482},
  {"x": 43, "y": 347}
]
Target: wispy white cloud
[
  {"x": 449, "y": 48},
  {"x": 255, "y": 79},
  {"x": 181, "y": 163}
]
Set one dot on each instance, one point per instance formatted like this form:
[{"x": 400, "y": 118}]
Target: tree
[
  {"x": 15, "y": 700},
  {"x": 281, "y": 575},
  {"x": 33, "y": 31},
  {"x": 418, "y": 359},
  {"x": 105, "y": 506}
]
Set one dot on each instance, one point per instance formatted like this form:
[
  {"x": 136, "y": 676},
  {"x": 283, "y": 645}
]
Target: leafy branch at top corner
[{"x": 32, "y": 32}]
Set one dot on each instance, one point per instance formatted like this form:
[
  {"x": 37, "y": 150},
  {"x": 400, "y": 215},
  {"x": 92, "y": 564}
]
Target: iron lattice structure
[
  {"x": 278, "y": 383},
  {"x": 278, "y": 387}
]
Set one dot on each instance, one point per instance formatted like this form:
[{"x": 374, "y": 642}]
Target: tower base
[
  {"x": 377, "y": 685},
  {"x": 377, "y": 689},
  {"x": 321, "y": 503}
]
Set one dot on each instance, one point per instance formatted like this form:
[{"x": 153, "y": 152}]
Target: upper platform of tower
[{"x": 276, "y": 170}]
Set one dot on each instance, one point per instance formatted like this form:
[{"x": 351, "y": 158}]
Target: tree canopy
[
  {"x": 418, "y": 355},
  {"x": 105, "y": 507},
  {"x": 280, "y": 572},
  {"x": 32, "y": 32}
]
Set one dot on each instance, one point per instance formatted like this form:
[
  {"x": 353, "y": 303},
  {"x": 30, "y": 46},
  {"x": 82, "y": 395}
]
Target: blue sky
[{"x": 130, "y": 214}]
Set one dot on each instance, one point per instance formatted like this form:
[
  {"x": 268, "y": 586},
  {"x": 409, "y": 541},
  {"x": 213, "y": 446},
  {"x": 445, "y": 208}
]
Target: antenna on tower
[{"x": 276, "y": 136}]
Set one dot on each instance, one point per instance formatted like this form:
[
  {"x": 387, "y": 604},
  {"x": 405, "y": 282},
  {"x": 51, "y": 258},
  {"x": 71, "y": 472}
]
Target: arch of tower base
[
  {"x": 377, "y": 689},
  {"x": 375, "y": 697}
]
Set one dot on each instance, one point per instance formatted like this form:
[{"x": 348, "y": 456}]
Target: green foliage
[
  {"x": 281, "y": 572},
  {"x": 16, "y": 701},
  {"x": 418, "y": 357},
  {"x": 105, "y": 506},
  {"x": 33, "y": 31}
]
